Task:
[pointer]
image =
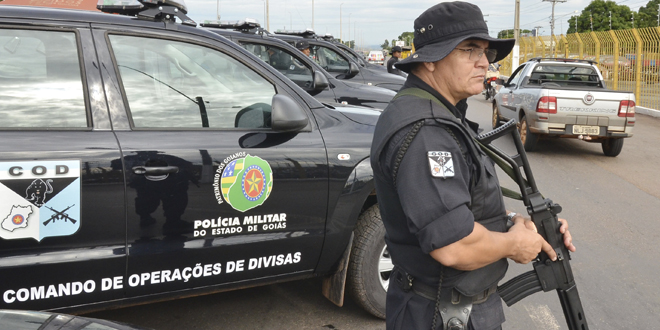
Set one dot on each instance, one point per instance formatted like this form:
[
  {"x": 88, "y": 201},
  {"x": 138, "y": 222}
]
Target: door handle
[{"x": 157, "y": 170}]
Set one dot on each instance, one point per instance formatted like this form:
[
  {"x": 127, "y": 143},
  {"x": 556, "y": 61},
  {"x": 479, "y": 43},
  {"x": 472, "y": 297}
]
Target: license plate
[
  {"x": 492, "y": 83},
  {"x": 586, "y": 130}
]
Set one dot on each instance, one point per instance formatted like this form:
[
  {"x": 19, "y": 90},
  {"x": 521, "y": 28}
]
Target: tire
[
  {"x": 612, "y": 147},
  {"x": 370, "y": 264},
  {"x": 528, "y": 138},
  {"x": 496, "y": 116}
]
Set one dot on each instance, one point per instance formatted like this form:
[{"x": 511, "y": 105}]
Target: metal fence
[{"x": 629, "y": 60}]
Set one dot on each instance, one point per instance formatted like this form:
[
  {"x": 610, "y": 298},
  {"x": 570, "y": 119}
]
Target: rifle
[{"x": 547, "y": 274}]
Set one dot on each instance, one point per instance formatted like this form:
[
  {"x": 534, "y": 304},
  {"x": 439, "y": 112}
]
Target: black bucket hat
[
  {"x": 395, "y": 49},
  {"x": 442, "y": 27},
  {"x": 302, "y": 45}
]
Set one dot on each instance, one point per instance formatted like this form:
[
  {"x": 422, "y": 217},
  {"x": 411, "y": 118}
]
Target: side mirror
[
  {"x": 353, "y": 69},
  {"x": 320, "y": 81},
  {"x": 287, "y": 115}
]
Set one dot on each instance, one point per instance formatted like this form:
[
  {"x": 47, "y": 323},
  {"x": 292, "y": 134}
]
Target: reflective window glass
[
  {"x": 330, "y": 60},
  {"x": 40, "y": 81},
  {"x": 172, "y": 84},
  {"x": 284, "y": 61}
]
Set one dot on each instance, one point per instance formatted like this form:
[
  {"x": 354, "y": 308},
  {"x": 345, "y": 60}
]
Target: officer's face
[
  {"x": 397, "y": 54},
  {"x": 461, "y": 73},
  {"x": 306, "y": 51}
]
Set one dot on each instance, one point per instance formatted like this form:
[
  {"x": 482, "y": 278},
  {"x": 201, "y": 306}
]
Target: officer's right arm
[
  {"x": 482, "y": 247},
  {"x": 437, "y": 209}
]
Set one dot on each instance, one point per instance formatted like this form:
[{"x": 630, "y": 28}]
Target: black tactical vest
[{"x": 415, "y": 105}]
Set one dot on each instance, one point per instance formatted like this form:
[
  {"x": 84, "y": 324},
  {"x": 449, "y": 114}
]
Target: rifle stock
[{"x": 547, "y": 274}]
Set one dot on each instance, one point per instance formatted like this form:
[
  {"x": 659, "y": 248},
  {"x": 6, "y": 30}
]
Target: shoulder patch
[{"x": 441, "y": 164}]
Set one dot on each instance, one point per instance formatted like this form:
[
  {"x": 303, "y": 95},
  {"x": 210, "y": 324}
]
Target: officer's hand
[
  {"x": 568, "y": 239},
  {"x": 527, "y": 242}
]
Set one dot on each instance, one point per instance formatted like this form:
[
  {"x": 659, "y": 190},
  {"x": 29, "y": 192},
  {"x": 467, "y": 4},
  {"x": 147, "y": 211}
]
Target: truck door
[
  {"x": 62, "y": 212},
  {"x": 214, "y": 195},
  {"x": 510, "y": 102},
  {"x": 292, "y": 65}
]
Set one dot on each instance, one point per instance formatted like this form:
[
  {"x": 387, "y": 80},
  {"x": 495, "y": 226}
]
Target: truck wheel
[
  {"x": 370, "y": 264},
  {"x": 612, "y": 147},
  {"x": 528, "y": 138},
  {"x": 496, "y": 116}
]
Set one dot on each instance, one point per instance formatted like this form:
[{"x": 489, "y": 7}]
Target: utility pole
[
  {"x": 267, "y": 16},
  {"x": 537, "y": 30},
  {"x": 552, "y": 24},
  {"x": 349, "y": 29},
  {"x": 576, "y": 29},
  {"x": 217, "y": 10},
  {"x": 633, "y": 20},
  {"x": 610, "y": 20},
  {"x": 515, "y": 57},
  {"x": 340, "y": 35},
  {"x": 591, "y": 19}
]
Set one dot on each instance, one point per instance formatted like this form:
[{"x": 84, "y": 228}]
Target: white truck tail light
[
  {"x": 547, "y": 104},
  {"x": 627, "y": 108}
]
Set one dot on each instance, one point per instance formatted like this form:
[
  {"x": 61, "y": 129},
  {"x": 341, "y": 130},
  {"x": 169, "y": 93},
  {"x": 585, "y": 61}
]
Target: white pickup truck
[{"x": 556, "y": 97}]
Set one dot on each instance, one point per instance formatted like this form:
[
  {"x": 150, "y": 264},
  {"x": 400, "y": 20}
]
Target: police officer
[
  {"x": 303, "y": 46},
  {"x": 440, "y": 201},
  {"x": 396, "y": 55}
]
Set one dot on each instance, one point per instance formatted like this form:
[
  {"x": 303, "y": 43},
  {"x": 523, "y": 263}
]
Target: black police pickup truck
[
  {"x": 144, "y": 158},
  {"x": 301, "y": 69},
  {"x": 333, "y": 59}
]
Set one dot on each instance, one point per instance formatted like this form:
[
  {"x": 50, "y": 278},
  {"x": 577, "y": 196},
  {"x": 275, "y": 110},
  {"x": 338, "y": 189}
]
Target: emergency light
[
  {"x": 246, "y": 24},
  {"x": 157, "y": 10},
  {"x": 307, "y": 33}
]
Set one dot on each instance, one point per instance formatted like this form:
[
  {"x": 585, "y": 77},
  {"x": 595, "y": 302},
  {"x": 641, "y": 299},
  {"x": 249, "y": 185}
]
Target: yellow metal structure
[{"x": 629, "y": 60}]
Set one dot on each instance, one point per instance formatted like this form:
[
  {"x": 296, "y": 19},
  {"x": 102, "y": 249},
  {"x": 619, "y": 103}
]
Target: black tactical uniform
[
  {"x": 392, "y": 61},
  {"x": 392, "y": 69},
  {"x": 443, "y": 184}
]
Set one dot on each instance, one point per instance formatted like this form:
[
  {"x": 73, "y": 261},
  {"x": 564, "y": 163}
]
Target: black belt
[{"x": 407, "y": 283}]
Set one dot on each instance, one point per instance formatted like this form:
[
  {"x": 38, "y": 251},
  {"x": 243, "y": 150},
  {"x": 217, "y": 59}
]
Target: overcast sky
[{"x": 374, "y": 21}]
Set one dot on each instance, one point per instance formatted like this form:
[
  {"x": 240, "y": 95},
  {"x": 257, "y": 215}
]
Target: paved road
[{"x": 612, "y": 205}]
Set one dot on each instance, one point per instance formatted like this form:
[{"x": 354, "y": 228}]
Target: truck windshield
[{"x": 564, "y": 75}]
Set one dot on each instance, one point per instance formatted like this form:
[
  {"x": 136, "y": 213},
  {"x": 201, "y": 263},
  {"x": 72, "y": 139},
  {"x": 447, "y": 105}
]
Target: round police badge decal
[{"x": 245, "y": 181}]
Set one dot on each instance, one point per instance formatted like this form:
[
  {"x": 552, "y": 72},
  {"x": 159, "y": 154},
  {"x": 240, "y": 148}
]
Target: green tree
[
  {"x": 648, "y": 15},
  {"x": 408, "y": 37},
  {"x": 509, "y": 34},
  {"x": 598, "y": 14},
  {"x": 385, "y": 45}
]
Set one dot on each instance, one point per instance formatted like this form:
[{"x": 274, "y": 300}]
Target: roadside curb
[{"x": 648, "y": 111}]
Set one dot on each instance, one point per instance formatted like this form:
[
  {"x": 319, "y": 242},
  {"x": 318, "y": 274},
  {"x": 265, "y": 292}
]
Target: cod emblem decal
[
  {"x": 39, "y": 199},
  {"x": 246, "y": 182}
]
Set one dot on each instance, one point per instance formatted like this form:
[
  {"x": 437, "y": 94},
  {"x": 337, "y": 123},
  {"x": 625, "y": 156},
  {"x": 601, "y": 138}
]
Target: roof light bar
[
  {"x": 124, "y": 7},
  {"x": 246, "y": 24},
  {"x": 163, "y": 10},
  {"x": 302, "y": 33}
]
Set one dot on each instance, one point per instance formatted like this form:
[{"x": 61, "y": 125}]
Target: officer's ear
[{"x": 430, "y": 66}]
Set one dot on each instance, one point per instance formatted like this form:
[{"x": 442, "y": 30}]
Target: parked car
[
  {"x": 565, "y": 98},
  {"x": 376, "y": 57},
  {"x": 145, "y": 158},
  {"x": 357, "y": 57},
  {"x": 302, "y": 70},
  {"x": 335, "y": 61}
]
